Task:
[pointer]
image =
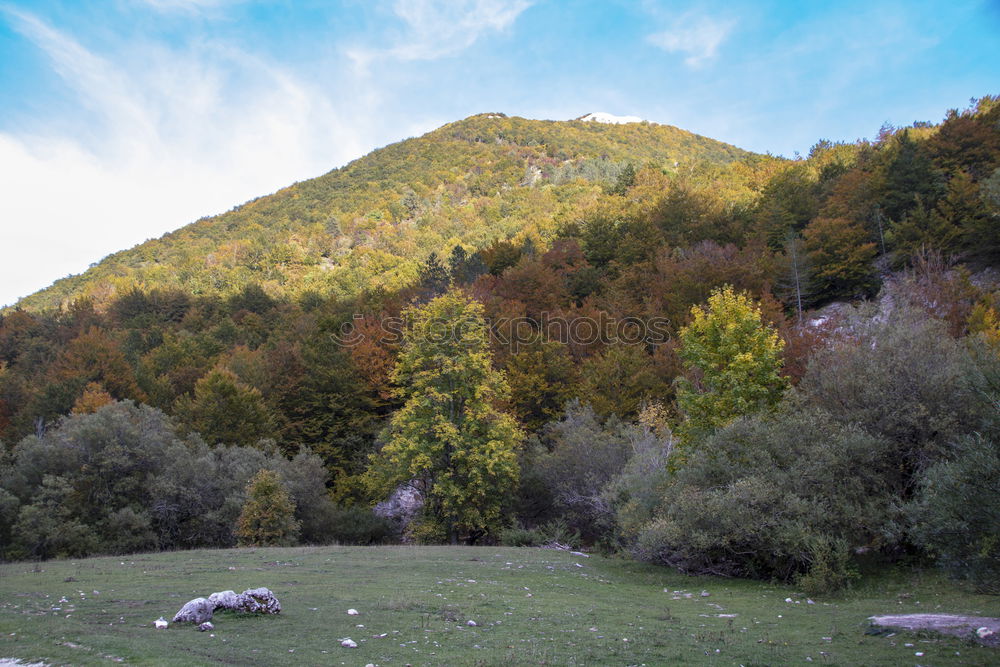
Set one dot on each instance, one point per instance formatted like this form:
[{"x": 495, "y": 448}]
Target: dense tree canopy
[{"x": 449, "y": 440}]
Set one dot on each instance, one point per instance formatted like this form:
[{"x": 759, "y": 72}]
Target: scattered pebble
[
  {"x": 347, "y": 642},
  {"x": 705, "y": 594},
  {"x": 206, "y": 626},
  {"x": 471, "y": 623},
  {"x": 160, "y": 623},
  {"x": 352, "y": 612}
]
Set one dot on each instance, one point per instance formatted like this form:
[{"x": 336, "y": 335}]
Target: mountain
[{"x": 374, "y": 221}]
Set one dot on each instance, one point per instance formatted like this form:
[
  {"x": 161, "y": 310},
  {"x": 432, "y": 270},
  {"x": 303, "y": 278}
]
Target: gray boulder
[
  {"x": 197, "y": 611},
  {"x": 250, "y": 601},
  {"x": 223, "y": 600},
  {"x": 257, "y": 601}
]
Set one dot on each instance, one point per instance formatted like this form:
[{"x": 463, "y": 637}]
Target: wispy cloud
[
  {"x": 696, "y": 35},
  {"x": 439, "y": 28},
  {"x": 164, "y": 136},
  {"x": 185, "y": 6}
]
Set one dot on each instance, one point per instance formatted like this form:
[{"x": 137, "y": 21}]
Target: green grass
[{"x": 531, "y": 606}]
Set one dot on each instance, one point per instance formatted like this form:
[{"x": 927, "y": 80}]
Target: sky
[{"x": 121, "y": 120}]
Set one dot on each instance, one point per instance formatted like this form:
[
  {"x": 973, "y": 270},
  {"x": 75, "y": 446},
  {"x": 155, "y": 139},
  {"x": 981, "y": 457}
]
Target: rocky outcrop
[
  {"x": 250, "y": 601},
  {"x": 983, "y": 629}
]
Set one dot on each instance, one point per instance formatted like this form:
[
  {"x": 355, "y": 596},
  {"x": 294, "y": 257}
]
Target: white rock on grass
[
  {"x": 250, "y": 601},
  {"x": 471, "y": 623},
  {"x": 160, "y": 623},
  {"x": 206, "y": 626},
  {"x": 347, "y": 642},
  {"x": 352, "y": 612},
  {"x": 224, "y": 600},
  {"x": 258, "y": 601},
  {"x": 196, "y": 611}
]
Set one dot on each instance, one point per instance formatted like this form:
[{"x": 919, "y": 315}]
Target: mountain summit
[{"x": 604, "y": 117}]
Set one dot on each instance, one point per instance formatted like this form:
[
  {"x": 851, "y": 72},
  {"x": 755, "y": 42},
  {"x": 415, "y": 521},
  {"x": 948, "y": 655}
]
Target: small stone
[
  {"x": 984, "y": 632},
  {"x": 160, "y": 623},
  {"x": 206, "y": 626},
  {"x": 789, "y": 600},
  {"x": 347, "y": 642},
  {"x": 352, "y": 612},
  {"x": 705, "y": 594},
  {"x": 808, "y": 601},
  {"x": 471, "y": 623},
  {"x": 919, "y": 654}
]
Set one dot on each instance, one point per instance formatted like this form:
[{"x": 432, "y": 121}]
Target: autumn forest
[{"x": 622, "y": 337}]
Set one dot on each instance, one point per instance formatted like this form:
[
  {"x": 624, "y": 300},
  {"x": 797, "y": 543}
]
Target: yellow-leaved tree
[
  {"x": 268, "y": 516},
  {"x": 733, "y": 362},
  {"x": 449, "y": 441}
]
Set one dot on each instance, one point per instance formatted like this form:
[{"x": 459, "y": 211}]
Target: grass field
[{"x": 530, "y": 606}]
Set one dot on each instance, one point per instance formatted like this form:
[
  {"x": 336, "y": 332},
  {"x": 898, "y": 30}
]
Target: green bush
[
  {"x": 773, "y": 497},
  {"x": 956, "y": 515},
  {"x": 47, "y": 527},
  {"x": 556, "y": 531},
  {"x": 355, "y": 525},
  {"x": 899, "y": 376},
  {"x": 573, "y": 461},
  {"x": 126, "y": 482},
  {"x": 830, "y": 567},
  {"x": 518, "y": 536}
]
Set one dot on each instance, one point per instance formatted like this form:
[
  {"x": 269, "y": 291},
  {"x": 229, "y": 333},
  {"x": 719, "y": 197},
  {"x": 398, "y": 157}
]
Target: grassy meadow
[{"x": 415, "y": 604}]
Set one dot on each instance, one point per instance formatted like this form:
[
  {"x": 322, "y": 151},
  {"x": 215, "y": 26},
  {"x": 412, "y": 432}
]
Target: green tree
[
  {"x": 226, "y": 411},
  {"x": 733, "y": 361},
  {"x": 449, "y": 441},
  {"x": 268, "y": 516},
  {"x": 841, "y": 255}
]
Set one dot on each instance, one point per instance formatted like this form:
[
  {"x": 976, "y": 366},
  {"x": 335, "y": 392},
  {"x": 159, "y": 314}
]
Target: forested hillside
[
  {"x": 785, "y": 364},
  {"x": 371, "y": 223}
]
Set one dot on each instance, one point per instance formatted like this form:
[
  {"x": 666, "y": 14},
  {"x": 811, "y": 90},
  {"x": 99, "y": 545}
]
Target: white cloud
[
  {"x": 167, "y": 135},
  {"x": 698, "y": 36},
  {"x": 185, "y": 6},
  {"x": 438, "y": 28}
]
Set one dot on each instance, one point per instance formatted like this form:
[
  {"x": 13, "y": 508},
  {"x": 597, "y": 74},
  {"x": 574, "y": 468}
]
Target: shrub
[
  {"x": 901, "y": 377},
  {"x": 956, "y": 515},
  {"x": 268, "y": 516},
  {"x": 830, "y": 567},
  {"x": 127, "y": 483},
  {"x": 773, "y": 497},
  {"x": 518, "y": 536},
  {"x": 47, "y": 528},
  {"x": 554, "y": 532},
  {"x": 356, "y": 525},
  {"x": 577, "y": 457}
]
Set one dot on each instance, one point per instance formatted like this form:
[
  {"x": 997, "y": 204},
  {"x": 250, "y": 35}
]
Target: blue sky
[{"x": 123, "y": 119}]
